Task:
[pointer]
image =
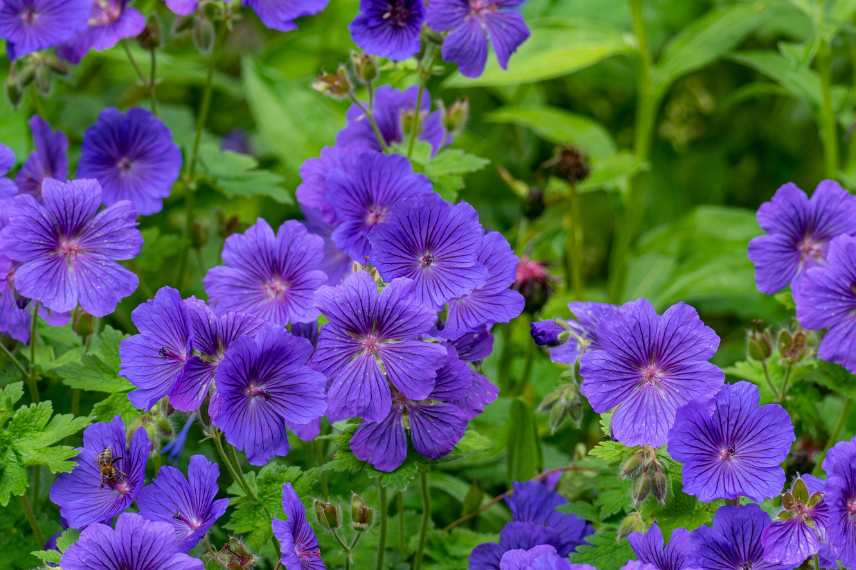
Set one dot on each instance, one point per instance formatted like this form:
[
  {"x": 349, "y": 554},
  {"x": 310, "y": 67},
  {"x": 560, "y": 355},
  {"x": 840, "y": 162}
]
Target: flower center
[
  {"x": 427, "y": 260},
  {"x": 851, "y": 507},
  {"x": 193, "y": 522},
  {"x": 371, "y": 344},
  {"x": 651, "y": 375},
  {"x": 29, "y": 16},
  {"x": 124, "y": 165},
  {"x": 69, "y": 248},
  {"x": 276, "y": 288},
  {"x": 253, "y": 391},
  {"x": 108, "y": 12},
  {"x": 397, "y": 13},
  {"x": 727, "y": 453},
  {"x": 481, "y": 7},
  {"x": 810, "y": 249},
  {"x": 375, "y": 215},
  {"x": 122, "y": 488}
]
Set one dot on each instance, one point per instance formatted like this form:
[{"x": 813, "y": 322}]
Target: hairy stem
[
  {"x": 425, "y": 65},
  {"x": 402, "y": 542},
  {"x": 234, "y": 471},
  {"x": 153, "y": 70},
  {"x": 31, "y": 518},
  {"x": 573, "y": 220},
  {"x": 369, "y": 114},
  {"x": 381, "y": 544},
  {"x": 14, "y": 360},
  {"x": 634, "y": 207},
  {"x": 32, "y": 380},
  {"x": 426, "y": 516}
]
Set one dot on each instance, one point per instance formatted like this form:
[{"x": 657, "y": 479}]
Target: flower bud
[
  {"x": 235, "y": 555},
  {"x": 365, "y": 67},
  {"x": 203, "y": 34},
  {"x": 361, "y": 514},
  {"x": 641, "y": 489},
  {"x": 150, "y": 38},
  {"x": 759, "y": 345},
  {"x": 328, "y": 514},
  {"x": 659, "y": 485},
  {"x": 336, "y": 85},
  {"x": 533, "y": 204},
  {"x": 456, "y": 117},
  {"x": 792, "y": 345},
  {"x": 569, "y": 163},
  {"x": 546, "y": 333},
  {"x": 14, "y": 92},
  {"x": 534, "y": 282},
  {"x": 630, "y": 524}
]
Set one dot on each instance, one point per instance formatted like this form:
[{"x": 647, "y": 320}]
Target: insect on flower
[{"x": 110, "y": 475}]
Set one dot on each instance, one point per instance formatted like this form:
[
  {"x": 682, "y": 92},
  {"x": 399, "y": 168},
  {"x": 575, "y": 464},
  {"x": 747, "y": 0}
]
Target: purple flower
[
  {"x": 474, "y": 346},
  {"x": 49, "y": 160},
  {"x": 109, "y": 22},
  {"x": 135, "y": 544},
  {"x": 435, "y": 424},
  {"x": 389, "y": 28},
  {"x": 646, "y": 366},
  {"x": 569, "y": 340},
  {"x": 187, "y": 504},
  {"x": 154, "y": 359},
  {"x": 33, "y": 25},
  {"x": 280, "y": 14},
  {"x": 263, "y": 386},
  {"x": 237, "y": 141},
  {"x": 172, "y": 449},
  {"x": 435, "y": 244},
  {"x": 212, "y": 336},
  {"x": 182, "y": 7},
  {"x": 312, "y": 194},
  {"x": 68, "y": 251},
  {"x": 732, "y": 447},
  {"x": 133, "y": 157},
  {"x": 364, "y": 191},
  {"x": 514, "y": 536},
  {"x": 107, "y": 478},
  {"x": 840, "y": 467},
  {"x": 392, "y": 110},
  {"x": 373, "y": 340},
  {"x": 270, "y": 276},
  {"x": 798, "y": 232},
  {"x": 734, "y": 541},
  {"x": 14, "y": 316},
  {"x": 800, "y": 529},
  {"x": 826, "y": 299},
  {"x": 535, "y": 502},
  {"x": 298, "y": 545},
  {"x": 335, "y": 262},
  {"x": 7, "y": 161},
  {"x": 470, "y": 23},
  {"x": 493, "y": 301},
  {"x": 650, "y": 548},
  {"x": 541, "y": 557},
  {"x": 636, "y": 565}
]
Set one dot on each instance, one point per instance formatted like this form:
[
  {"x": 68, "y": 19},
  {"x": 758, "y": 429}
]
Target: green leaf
[
  {"x": 97, "y": 370},
  {"x": 524, "y": 447},
  {"x": 67, "y": 538},
  {"x": 157, "y": 249},
  {"x": 238, "y": 175},
  {"x": 13, "y": 477},
  {"x": 611, "y": 451},
  {"x": 48, "y": 556},
  {"x": 556, "y": 48},
  {"x": 116, "y": 404},
  {"x": 9, "y": 396},
  {"x": 705, "y": 40},
  {"x": 446, "y": 171},
  {"x": 796, "y": 78},
  {"x": 56, "y": 458},
  {"x": 680, "y": 510},
  {"x": 604, "y": 550},
  {"x": 833, "y": 377},
  {"x": 559, "y": 127}
]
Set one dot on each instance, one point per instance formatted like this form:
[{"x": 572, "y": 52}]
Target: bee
[{"x": 110, "y": 474}]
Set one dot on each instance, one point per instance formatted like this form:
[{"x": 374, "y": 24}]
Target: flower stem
[
  {"x": 634, "y": 208},
  {"x": 424, "y": 72},
  {"x": 784, "y": 392},
  {"x": 32, "y": 381},
  {"x": 31, "y": 518},
  {"x": 426, "y": 516},
  {"x": 828, "y": 132},
  {"x": 153, "y": 69},
  {"x": 14, "y": 360},
  {"x": 834, "y": 434},
  {"x": 369, "y": 114},
  {"x": 573, "y": 220},
  {"x": 402, "y": 544},
  {"x": 234, "y": 471},
  {"x": 769, "y": 380},
  {"x": 381, "y": 545},
  {"x": 140, "y": 75}
]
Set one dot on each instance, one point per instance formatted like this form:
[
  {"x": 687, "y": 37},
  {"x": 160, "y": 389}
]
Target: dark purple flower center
[
  {"x": 308, "y": 554},
  {"x": 29, "y": 15},
  {"x": 811, "y": 249},
  {"x": 481, "y": 7},
  {"x": 375, "y": 215},
  {"x": 124, "y": 165},
  {"x": 727, "y": 453},
  {"x": 193, "y": 522},
  {"x": 427, "y": 260},
  {"x": 254, "y": 391},
  {"x": 851, "y": 507},
  {"x": 69, "y": 248},
  {"x": 651, "y": 374},
  {"x": 398, "y": 13},
  {"x": 276, "y": 288},
  {"x": 107, "y": 12}
]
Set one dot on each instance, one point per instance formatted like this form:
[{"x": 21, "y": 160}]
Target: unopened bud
[
  {"x": 632, "y": 466},
  {"x": 361, "y": 513},
  {"x": 792, "y": 345},
  {"x": 630, "y": 524},
  {"x": 14, "y": 92},
  {"x": 533, "y": 204},
  {"x": 328, "y": 514},
  {"x": 203, "y": 34},
  {"x": 44, "y": 80},
  {"x": 569, "y": 163},
  {"x": 659, "y": 485},
  {"x": 181, "y": 25},
  {"x": 534, "y": 282},
  {"x": 759, "y": 345},
  {"x": 641, "y": 489},
  {"x": 365, "y": 67},
  {"x": 150, "y": 38},
  {"x": 456, "y": 116},
  {"x": 234, "y": 555},
  {"x": 336, "y": 85}
]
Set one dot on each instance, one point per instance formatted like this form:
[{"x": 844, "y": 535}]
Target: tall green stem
[
  {"x": 153, "y": 89},
  {"x": 234, "y": 470},
  {"x": 574, "y": 229},
  {"x": 834, "y": 434},
  {"x": 828, "y": 131},
  {"x": 381, "y": 544},
  {"x": 426, "y": 516},
  {"x": 402, "y": 543},
  {"x": 14, "y": 360},
  {"x": 32, "y": 380},
  {"x": 31, "y": 518},
  {"x": 634, "y": 207},
  {"x": 425, "y": 65}
]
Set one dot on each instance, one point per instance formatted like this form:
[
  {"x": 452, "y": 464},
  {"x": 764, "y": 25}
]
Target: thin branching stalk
[
  {"x": 828, "y": 130},
  {"x": 27, "y": 507},
  {"x": 14, "y": 360},
  {"x": 381, "y": 544},
  {"x": 426, "y": 516},
  {"x": 575, "y": 244},
  {"x": 425, "y": 66},
  {"x": 32, "y": 380},
  {"x": 153, "y": 84}
]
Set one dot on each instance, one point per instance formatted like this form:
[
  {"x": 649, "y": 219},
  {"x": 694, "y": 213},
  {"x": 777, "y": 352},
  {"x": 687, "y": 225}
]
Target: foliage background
[{"x": 738, "y": 117}]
